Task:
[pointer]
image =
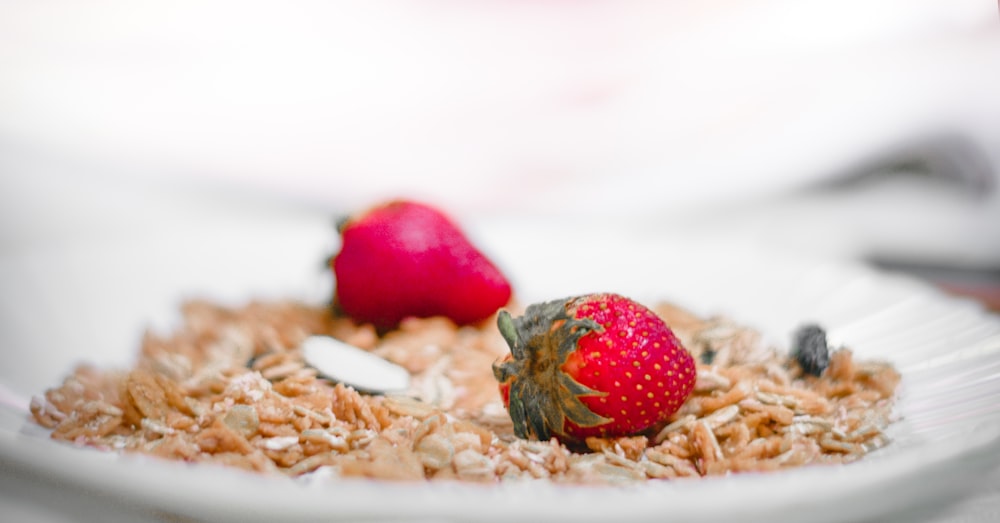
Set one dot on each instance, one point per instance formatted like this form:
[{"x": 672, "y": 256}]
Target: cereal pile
[{"x": 230, "y": 386}]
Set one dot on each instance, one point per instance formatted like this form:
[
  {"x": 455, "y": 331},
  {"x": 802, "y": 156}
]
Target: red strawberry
[
  {"x": 405, "y": 259},
  {"x": 595, "y": 365}
]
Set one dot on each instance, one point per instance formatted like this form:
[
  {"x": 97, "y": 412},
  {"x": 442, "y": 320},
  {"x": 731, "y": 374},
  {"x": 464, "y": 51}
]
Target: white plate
[{"x": 71, "y": 301}]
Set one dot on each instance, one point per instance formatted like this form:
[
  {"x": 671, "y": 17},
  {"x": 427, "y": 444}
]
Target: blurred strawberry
[{"x": 404, "y": 258}]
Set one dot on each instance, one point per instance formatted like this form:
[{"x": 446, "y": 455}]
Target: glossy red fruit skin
[
  {"x": 647, "y": 364},
  {"x": 406, "y": 258},
  {"x": 629, "y": 373}
]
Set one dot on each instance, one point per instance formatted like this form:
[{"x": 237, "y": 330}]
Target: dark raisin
[{"x": 809, "y": 348}]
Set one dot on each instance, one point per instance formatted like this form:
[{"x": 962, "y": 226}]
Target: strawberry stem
[
  {"x": 542, "y": 396},
  {"x": 507, "y": 329}
]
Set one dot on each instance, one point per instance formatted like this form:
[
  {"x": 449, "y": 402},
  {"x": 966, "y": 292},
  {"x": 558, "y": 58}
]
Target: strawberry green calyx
[{"x": 542, "y": 396}]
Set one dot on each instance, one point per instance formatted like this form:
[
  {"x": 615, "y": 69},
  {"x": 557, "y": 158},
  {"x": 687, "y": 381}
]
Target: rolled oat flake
[{"x": 353, "y": 366}]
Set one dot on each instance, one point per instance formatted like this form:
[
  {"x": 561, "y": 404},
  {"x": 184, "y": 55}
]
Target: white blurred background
[
  {"x": 679, "y": 114},
  {"x": 855, "y": 129}
]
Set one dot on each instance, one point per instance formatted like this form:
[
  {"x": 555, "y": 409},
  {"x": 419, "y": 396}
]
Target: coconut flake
[{"x": 354, "y": 366}]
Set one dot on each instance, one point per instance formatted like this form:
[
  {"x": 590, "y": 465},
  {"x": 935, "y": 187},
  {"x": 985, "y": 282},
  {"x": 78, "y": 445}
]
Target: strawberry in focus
[
  {"x": 403, "y": 259},
  {"x": 595, "y": 365}
]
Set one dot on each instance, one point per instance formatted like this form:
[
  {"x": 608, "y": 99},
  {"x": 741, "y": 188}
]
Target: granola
[{"x": 230, "y": 386}]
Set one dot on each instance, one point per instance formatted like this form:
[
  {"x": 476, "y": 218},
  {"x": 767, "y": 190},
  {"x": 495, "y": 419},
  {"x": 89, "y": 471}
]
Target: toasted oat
[{"x": 231, "y": 386}]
